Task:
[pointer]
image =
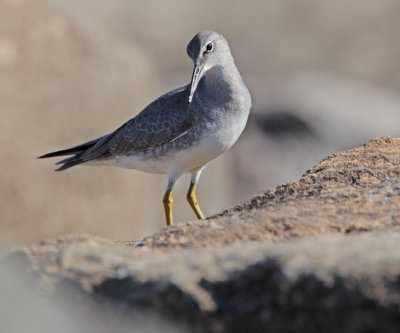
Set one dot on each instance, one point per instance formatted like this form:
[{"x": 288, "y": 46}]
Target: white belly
[{"x": 192, "y": 158}]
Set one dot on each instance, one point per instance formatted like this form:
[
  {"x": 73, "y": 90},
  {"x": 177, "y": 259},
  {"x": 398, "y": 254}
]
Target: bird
[{"x": 182, "y": 130}]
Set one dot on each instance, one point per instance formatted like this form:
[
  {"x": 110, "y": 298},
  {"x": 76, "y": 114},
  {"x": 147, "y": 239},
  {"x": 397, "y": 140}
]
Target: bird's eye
[{"x": 209, "y": 47}]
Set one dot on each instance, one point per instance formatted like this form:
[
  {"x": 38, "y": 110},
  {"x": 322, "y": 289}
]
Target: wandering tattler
[{"x": 182, "y": 130}]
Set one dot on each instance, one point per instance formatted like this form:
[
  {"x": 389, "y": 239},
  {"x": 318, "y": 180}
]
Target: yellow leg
[
  {"x": 167, "y": 201},
  {"x": 191, "y": 198}
]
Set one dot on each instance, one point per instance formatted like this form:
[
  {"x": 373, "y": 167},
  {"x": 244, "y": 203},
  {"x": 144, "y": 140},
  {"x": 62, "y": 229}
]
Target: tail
[{"x": 78, "y": 152}]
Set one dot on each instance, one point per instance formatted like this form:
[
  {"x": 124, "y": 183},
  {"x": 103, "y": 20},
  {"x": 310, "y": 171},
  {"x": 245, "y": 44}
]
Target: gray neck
[{"x": 224, "y": 83}]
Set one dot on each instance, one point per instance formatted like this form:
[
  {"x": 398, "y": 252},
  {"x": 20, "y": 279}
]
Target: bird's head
[{"x": 207, "y": 49}]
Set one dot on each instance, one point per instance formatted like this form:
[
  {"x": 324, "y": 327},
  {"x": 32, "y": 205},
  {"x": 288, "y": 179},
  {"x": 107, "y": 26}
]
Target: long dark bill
[{"x": 196, "y": 76}]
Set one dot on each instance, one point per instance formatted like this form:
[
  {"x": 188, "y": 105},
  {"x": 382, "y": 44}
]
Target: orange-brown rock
[{"x": 321, "y": 254}]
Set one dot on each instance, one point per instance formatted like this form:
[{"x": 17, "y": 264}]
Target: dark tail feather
[
  {"x": 69, "y": 162},
  {"x": 72, "y": 151},
  {"x": 76, "y": 151}
]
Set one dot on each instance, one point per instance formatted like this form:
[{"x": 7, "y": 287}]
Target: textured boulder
[
  {"x": 354, "y": 190},
  {"x": 318, "y": 254}
]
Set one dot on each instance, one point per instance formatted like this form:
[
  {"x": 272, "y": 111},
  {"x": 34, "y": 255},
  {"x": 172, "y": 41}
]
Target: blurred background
[{"x": 324, "y": 76}]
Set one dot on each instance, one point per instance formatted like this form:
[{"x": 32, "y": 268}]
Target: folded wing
[{"x": 162, "y": 121}]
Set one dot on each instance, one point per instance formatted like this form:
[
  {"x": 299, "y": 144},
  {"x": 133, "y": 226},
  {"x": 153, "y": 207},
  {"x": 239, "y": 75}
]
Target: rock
[
  {"x": 301, "y": 119},
  {"x": 354, "y": 190},
  {"x": 318, "y": 254}
]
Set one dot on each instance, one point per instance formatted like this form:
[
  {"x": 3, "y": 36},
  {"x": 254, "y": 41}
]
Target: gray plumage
[
  {"x": 160, "y": 122},
  {"x": 183, "y": 129}
]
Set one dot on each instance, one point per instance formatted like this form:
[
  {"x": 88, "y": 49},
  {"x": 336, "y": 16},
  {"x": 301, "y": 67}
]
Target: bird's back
[{"x": 162, "y": 121}]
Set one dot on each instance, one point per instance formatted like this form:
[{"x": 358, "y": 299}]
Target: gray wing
[{"x": 162, "y": 121}]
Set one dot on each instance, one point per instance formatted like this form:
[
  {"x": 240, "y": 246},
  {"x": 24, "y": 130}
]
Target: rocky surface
[
  {"x": 300, "y": 120},
  {"x": 355, "y": 190},
  {"x": 318, "y": 254}
]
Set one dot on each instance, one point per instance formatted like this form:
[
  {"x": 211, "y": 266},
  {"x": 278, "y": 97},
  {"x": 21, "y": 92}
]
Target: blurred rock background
[{"x": 324, "y": 76}]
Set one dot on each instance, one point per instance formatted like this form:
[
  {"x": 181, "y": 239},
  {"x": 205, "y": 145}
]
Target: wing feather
[{"x": 164, "y": 120}]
